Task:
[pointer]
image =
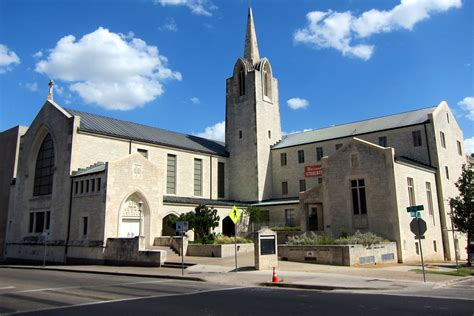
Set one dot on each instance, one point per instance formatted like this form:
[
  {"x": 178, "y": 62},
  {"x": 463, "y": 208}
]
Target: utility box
[{"x": 266, "y": 249}]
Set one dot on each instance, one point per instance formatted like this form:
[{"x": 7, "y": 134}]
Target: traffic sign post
[
  {"x": 418, "y": 227},
  {"x": 234, "y": 215},
  {"x": 45, "y": 235},
  {"x": 182, "y": 228}
]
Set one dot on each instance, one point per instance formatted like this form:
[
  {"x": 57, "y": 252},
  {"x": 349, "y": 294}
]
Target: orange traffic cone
[{"x": 275, "y": 277}]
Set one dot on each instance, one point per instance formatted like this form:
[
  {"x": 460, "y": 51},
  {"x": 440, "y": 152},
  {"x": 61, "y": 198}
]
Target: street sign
[
  {"x": 182, "y": 227},
  {"x": 415, "y": 208},
  {"x": 416, "y": 214},
  {"x": 418, "y": 226},
  {"x": 235, "y": 214}
]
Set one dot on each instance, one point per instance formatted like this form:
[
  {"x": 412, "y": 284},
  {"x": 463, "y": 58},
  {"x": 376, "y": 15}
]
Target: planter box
[
  {"x": 219, "y": 251},
  {"x": 341, "y": 255}
]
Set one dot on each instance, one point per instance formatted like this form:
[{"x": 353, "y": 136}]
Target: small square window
[{"x": 338, "y": 146}]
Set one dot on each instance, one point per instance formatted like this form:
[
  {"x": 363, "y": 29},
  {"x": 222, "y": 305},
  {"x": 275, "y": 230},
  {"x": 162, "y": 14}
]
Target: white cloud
[
  {"x": 112, "y": 70},
  {"x": 340, "y": 30},
  {"x": 32, "y": 86},
  {"x": 215, "y": 132},
  {"x": 8, "y": 58},
  {"x": 195, "y": 100},
  {"x": 297, "y": 103},
  {"x": 199, "y": 7},
  {"x": 467, "y": 104},
  {"x": 469, "y": 145},
  {"x": 38, "y": 54},
  {"x": 170, "y": 25}
]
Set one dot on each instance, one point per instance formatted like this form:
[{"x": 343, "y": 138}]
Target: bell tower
[{"x": 252, "y": 122}]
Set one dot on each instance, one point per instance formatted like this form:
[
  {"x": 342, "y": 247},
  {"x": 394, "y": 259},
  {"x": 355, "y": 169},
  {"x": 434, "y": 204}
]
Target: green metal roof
[{"x": 356, "y": 128}]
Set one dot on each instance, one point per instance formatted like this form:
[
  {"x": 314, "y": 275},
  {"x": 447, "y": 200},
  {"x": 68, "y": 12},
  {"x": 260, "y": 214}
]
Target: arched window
[
  {"x": 44, "y": 168},
  {"x": 241, "y": 82},
  {"x": 267, "y": 82}
]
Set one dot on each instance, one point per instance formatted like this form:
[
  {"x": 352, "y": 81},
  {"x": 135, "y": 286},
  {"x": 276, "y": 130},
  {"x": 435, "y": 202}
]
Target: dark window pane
[
  {"x": 32, "y": 220},
  {"x": 39, "y": 224},
  {"x": 44, "y": 170},
  {"x": 355, "y": 201},
  {"x": 353, "y": 183},
  {"x": 363, "y": 205},
  {"x": 48, "y": 219},
  {"x": 361, "y": 182},
  {"x": 220, "y": 180}
]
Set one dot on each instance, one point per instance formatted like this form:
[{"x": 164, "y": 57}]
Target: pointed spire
[
  {"x": 251, "y": 46},
  {"x": 50, "y": 93}
]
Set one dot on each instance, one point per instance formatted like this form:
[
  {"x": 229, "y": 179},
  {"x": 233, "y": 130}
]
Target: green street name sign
[{"x": 415, "y": 208}]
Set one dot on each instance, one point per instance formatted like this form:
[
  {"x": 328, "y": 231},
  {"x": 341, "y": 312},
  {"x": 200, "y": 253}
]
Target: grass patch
[{"x": 460, "y": 272}]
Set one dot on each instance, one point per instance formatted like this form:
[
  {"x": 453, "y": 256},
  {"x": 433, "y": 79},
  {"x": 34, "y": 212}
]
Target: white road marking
[
  {"x": 7, "y": 287},
  {"x": 129, "y": 299},
  {"x": 87, "y": 287}
]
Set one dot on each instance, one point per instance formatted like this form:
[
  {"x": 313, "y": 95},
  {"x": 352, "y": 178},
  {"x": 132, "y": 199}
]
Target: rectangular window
[
  {"x": 85, "y": 223},
  {"x": 82, "y": 186},
  {"x": 87, "y": 186},
  {"x": 383, "y": 141},
  {"x": 48, "y": 220},
  {"x": 300, "y": 156},
  {"x": 411, "y": 192},
  {"x": 447, "y": 117},
  {"x": 284, "y": 187},
  {"x": 143, "y": 152},
  {"x": 302, "y": 185},
  {"x": 283, "y": 159},
  {"x": 447, "y": 172},
  {"x": 435, "y": 248},
  {"x": 220, "y": 180},
  {"x": 359, "y": 203},
  {"x": 240, "y": 134},
  {"x": 171, "y": 174},
  {"x": 290, "y": 218},
  {"x": 76, "y": 187},
  {"x": 32, "y": 222},
  {"x": 417, "y": 138},
  {"x": 98, "y": 184},
  {"x": 459, "y": 148},
  {"x": 198, "y": 177},
  {"x": 338, "y": 146},
  {"x": 39, "y": 222},
  {"x": 319, "y": 153},
  {"x": 92, "y": 185},
  {"x": 443, "y": 139},
  {"x": 269, "y": 134},
  {"x": 429, "y": 199}
]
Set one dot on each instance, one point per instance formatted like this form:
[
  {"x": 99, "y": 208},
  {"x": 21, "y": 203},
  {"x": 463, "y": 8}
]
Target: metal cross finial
[{"x": 50, "y": 93}]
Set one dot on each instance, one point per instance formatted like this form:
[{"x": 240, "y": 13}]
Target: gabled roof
[
  {"x": 95, "y": 168},
  {"x": 356, "y": 128},
  {"x": 103, "y": 125}
]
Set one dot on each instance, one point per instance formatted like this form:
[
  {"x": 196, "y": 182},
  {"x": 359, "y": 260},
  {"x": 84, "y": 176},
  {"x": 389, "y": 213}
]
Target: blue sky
[{"x": 164, "y": 62}]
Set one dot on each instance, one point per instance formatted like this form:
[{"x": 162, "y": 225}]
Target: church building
[{"x": 83, "y": 179}]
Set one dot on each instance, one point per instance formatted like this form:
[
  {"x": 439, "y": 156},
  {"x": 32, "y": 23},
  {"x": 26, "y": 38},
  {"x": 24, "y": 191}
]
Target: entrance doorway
[
  {"x": 169, "y": 225},
  {"x": 315, "y": 218},
  {"x": 228, "y": 227}
]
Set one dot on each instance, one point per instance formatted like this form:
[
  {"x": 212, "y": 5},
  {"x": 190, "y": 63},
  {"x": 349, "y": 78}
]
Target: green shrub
[
  {"x": 312, "y": 239},
  {"x": 222, "y": 240},
  {"x": 285, "y": 228},
  {"x": 359, "y": 238}
]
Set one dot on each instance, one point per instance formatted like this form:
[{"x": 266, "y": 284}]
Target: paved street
[
  {"x": 42, "y": 292},
  {"x": 29, "y": 290}
]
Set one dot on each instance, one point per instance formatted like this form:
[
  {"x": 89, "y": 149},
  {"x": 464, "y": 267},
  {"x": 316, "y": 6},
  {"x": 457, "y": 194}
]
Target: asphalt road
[{"x": 36, "y": 292}]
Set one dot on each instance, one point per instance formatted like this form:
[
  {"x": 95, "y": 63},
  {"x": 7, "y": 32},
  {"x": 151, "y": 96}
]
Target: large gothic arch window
[{"x": 44, "y": 170}]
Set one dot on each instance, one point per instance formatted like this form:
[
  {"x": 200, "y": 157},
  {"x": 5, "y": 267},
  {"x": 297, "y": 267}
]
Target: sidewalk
[{"x": 290, "y": 274}]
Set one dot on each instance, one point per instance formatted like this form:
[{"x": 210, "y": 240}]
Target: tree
[
  {"x": 255, "y": 215},
  {"x": 462, "y": 207},
  {"x": 202, "y": 221}
]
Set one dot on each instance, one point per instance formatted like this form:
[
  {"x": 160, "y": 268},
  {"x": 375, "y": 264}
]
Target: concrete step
[{"x": 176, "y": 264}]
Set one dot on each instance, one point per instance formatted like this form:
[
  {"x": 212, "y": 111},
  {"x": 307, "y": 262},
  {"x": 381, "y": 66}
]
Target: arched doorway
[
  {"x": 131, "y": 217},
  {"x": 228, "y": 227},
  {"x": 169, "y": 225}
]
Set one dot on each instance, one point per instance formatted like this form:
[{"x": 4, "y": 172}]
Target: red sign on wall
[{"x": 313, "y": 171}]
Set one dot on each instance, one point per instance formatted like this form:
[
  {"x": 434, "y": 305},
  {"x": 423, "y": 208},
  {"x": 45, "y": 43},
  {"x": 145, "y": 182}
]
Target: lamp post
[
  {"x": 140, "y": 210},
  {"x": 454, "y": 237}
]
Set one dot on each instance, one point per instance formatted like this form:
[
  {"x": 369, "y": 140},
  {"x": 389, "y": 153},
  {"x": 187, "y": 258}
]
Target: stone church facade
[{"x": 82, "y": 179}]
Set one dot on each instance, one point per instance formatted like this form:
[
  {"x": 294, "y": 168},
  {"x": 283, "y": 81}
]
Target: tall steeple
[{"x": 251, "y": 46}]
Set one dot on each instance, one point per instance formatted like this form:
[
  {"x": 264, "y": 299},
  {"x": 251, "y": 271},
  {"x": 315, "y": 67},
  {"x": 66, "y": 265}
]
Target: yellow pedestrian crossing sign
[{"x": 235, "y": 214}]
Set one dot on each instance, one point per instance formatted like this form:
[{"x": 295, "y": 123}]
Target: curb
[
  {"x": 141, "y": 275},
  {"x": 453, "y": 281},
  {"x": 318, "y": 287}
]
